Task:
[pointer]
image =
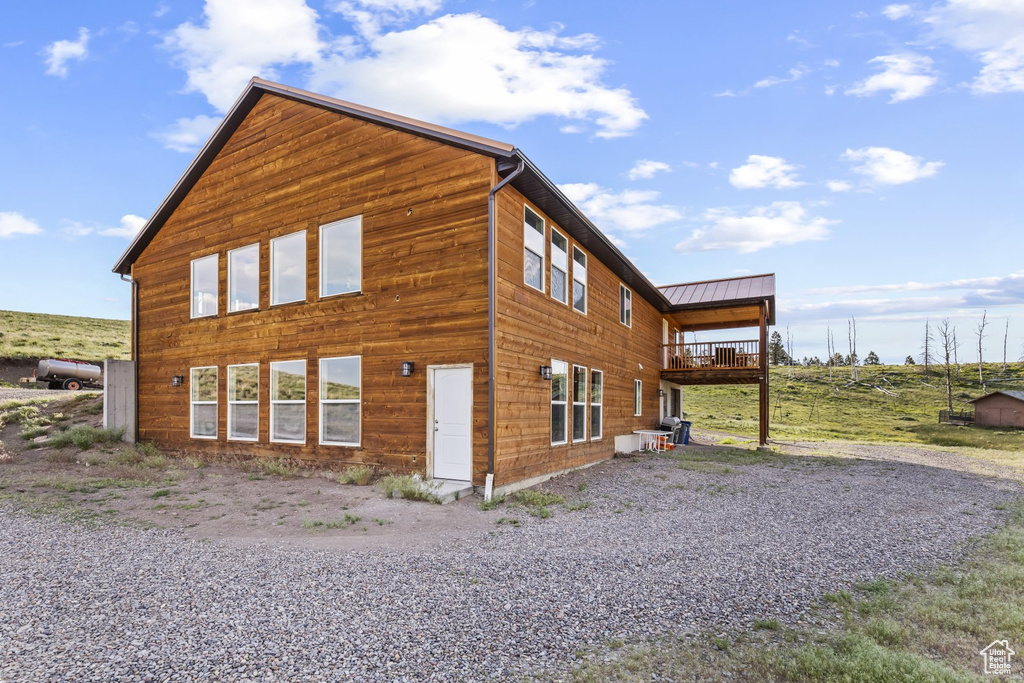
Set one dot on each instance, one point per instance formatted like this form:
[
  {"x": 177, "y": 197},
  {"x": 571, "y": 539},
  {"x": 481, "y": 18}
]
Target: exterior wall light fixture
[
  {"x": 176, "y": 380},
  {"x": 545, "y": 372},
  {"x": 407, "y": 367}
]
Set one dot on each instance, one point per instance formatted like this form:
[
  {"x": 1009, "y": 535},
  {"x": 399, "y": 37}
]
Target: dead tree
[
  {"x": 956, "y": 347},
  {"x": 851, "y": 334},
  {"x": 1006, "y": 337},
  {"x": 946, "y": 336},
  {"x": 926, "y": 354},
  {"x": 830, "y": 341},
  {"x": 981, "y": 337}
]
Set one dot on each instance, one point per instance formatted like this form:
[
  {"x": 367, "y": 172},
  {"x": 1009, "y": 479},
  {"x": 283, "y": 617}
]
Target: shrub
[
  {"x": 360, "y": 475},
  {"x": 407, "y": 486},
  {"x": 86, "y": 437},
  {"x": 494, "y": 502}
]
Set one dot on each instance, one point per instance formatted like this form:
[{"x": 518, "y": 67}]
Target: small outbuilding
[{"x": 1000, "y": 409}]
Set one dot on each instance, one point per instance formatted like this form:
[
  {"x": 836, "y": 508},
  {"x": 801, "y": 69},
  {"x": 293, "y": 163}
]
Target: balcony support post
[{"x": 762, "y": 394}]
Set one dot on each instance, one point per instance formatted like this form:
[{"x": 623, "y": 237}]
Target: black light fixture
[
  {"x": 661, "y": 393},
  {"x": 176, "y": 380},
  {"x": 545, "y": 372},
  {"x": 407, "y": 367}
]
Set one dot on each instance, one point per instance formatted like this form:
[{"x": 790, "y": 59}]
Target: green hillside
[
  {"x": 38, "y": 335},
  {"x": 888, "y": 403}
]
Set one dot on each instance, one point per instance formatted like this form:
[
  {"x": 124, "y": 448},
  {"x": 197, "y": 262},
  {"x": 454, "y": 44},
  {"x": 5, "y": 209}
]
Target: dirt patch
[{"x": 13, "y": 369}]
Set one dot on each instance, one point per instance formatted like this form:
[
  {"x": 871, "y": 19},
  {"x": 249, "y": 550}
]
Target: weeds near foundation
[
  {"x": 494, "y": 502},
  {"x": 407, "y": 486},
  {"x": 85, "y": 437},
  {"x": 537, "y": 502},
  {"x": 360, "y": 475}
]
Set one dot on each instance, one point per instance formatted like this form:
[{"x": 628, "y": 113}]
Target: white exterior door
[{"x": 453, "y": 423}]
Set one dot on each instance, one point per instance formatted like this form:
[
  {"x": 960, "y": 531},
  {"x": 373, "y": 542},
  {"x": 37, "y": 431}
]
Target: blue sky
[{"x": 870, "y": 154}]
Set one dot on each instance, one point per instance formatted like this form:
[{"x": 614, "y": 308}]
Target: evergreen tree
[
  {"x": 872, "y": 359},
  {"x": 776, "y": 351},
  {"x": 910, "y": 361}
]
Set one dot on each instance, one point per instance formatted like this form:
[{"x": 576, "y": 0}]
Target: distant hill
[{"x": 29, "y": 336}]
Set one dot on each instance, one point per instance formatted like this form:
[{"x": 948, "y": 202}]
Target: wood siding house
[{"x": 341, "y": 285}]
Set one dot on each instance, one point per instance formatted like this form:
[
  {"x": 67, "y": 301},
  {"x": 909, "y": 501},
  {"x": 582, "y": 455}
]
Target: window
[
  {"x": 203, "y": 391},
  {"x": 340, "y": 393},
  {"x": 244, "y": 278},
  {"x": 341, "y": 256},
  {"x": 243, "y": 402},
  {"x": 637, "y": 392},
  {"x": 625, "y": 306},
  {"x": 288, "y": 401},
  {"x": 204, "y": 286},
  {"x": 533, "y": 253},
  {"x": 559, "y": 396},
  {"x": 559, "y": 266},
  {"x": 288, "y": 268},
  {"x": 596, "y": 404},
  {"x": 579, "y": 280},
  {"x": 579, "y": 403}
]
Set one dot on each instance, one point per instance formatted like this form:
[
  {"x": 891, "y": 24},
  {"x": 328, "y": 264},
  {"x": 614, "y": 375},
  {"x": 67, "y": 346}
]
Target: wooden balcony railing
[{"x": 711, "y": 355}]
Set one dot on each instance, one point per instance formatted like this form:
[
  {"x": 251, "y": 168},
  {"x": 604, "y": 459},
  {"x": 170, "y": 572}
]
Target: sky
[{"x": 867, "y": 153}]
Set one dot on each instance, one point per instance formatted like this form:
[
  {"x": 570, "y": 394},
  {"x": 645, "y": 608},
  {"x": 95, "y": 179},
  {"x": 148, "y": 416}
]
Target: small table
[{"x": 653, "y": 439}]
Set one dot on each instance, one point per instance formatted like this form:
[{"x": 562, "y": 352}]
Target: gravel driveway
[{"x": 660, "y": 549}]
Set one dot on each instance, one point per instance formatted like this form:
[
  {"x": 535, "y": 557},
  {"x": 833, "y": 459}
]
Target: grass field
[
  {"x": 38, "y": 335},
  {"x": 806, "y": 405}
]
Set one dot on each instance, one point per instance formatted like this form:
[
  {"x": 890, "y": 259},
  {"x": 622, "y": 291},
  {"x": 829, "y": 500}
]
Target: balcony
[{"x": 731, "y": 362}]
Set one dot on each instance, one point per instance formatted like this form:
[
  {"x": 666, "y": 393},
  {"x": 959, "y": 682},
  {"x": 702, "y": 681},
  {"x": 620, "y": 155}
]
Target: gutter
[
  {"x": 492, "y": 240},
  {"x": 135, "y": 355}
]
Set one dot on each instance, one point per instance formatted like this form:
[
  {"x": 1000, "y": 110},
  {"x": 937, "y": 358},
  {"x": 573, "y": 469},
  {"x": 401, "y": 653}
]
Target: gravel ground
[
  {"x": 24, "y": 394},
  {"x": 660, "y": 549}
]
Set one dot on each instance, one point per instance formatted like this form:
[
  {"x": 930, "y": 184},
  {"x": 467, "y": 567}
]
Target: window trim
[
  {"x": 192, "y": 403},
  {"x": 599, "y": 405},
  {"x": 543, "y": 243},
  {"x": 638, "y": 392},
  {"x": 584, "y": 402},
  {"x": 305, "y": 269},
  {"x": 564, "y": 403},
  {"x": 235, "y": 402},
  {"x": 321, "y": 400},
  {"x": 625, "y": 293},
  {"x": 304, "y": 401},
  {"x": 586, "y": 292},
  {"x": 323, "y": 252},
  {"x": 232, "y": 251},
  {"x": 192, "y": 287},
  {"x": 565, "y": 270}
]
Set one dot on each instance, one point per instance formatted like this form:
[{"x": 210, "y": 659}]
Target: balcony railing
[{"x": 712, "y": 355}]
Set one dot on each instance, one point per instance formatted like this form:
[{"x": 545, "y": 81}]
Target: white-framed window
[
  {"x": 638, "y": 387},
  {"x": 625, "y": 305},
  {"x": 559, "y": 266},
  {"x": 288, "y": 268},
  {"x": 596, "y": 404},
  {"x": 533, "y": 251},
  {"x": 559, "y": 399},
  {"x": 288, "y": 401},
  {"x": 340, "y": 400},
  {"x": 341, "y": 256},
  {"x": 203, "y": 399},
  {"x": 204, "y": 286},
  {"x": 244, "y": 278},
  {"x": 244, "y": 402},
  {"x": 579, "y": 280},
  {"x": 579, "y": 403}
]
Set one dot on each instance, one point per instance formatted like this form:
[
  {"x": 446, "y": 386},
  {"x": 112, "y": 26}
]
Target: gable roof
[
  {"x": 1019, "y": 395},
  {"x": 733, "y": 291}
]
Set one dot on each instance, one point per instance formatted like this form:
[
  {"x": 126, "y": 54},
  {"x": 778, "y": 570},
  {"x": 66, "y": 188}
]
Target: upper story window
[
  {"x": 341, "y": 256},
  {"x": 625, "y": 306},
  {"x": 288, "y": 268},
  {"x": 288, "y": 401},
  {"x": 533, "y": 252},
  {"x": 340, "y": 391},
  {"x": 559, "y": 266},
  {"x": 244, "y": 278},
  {"x": 203, "y": 399},
  {"x": 579, "y": 280},
  {"x": 204, "y": 286}
]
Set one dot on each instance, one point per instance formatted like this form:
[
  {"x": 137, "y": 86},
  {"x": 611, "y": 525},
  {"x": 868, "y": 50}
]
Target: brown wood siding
[
  {"x": 532, "y": 328},
  {"x": 999, "y": 410},
  {"x": 291, "y": 167}
]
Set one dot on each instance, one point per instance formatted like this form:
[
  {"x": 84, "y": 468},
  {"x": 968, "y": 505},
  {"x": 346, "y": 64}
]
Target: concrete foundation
[{"x": 119, "y": 397}]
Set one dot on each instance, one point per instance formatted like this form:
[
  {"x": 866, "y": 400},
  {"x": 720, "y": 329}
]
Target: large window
[
  {"x": 579, "y": 403},
  {"x": 579, "y": 280},
  {"x": 596, "y": 404},
  {"x": 340, "y": 393},
  {"x": 288, "y": 268},
  {"x": 533, "y": 253},
  {"x": 203, "y": 392},
  {"x": 244, "y": 278},
  {"x": 204, "y": 286},
  {"x": 244, "y": 402},
  {"x": 625, "y": 306},
  {"x": 341, "y": 256},
  {"x": 288, "y": 401},
  {"x": 559, "y": 266},
  {"x": 559, "y": 398},
  {"x": 637, "y": 393}
]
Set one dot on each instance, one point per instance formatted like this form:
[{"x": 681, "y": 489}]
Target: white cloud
[
  {"x": 629, "y": 211},
  {"x": 885, "y": 166},
  {"x": 76, "y": 229},
  {"x": 795, "y": 74},
  {"x": 240, "y": 39},
  {"x": 839, "y": 185},
  {"x": 188, "y": 135},
  {"x": 129, "y": 228},
  {"x": 12, "y": 224},
  {"x": 780, "y": 223},
  {"x": 1013, "y": 281},
  {"x": 906, "y": 75},
  {"x": 895, "y": 12},
  {"x": 725, "y": 93},
  {"x": 763, "y": 171},
  {"x": 832, "y": 62},
  {"x": 58, "y": 54},
  {"x": 645, "y": 168},
  {"x": 993, "y": 31}
]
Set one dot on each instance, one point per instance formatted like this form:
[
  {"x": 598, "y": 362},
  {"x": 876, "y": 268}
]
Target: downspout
[
  {"x": 135, "y": 346},
  {"x": 492, "y": 240}
]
